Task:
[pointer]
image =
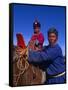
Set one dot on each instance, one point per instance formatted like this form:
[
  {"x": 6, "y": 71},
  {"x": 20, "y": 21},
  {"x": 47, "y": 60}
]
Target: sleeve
[
  {"x": 47, "y": 55},
  {"x": 32, "y": 38},
  {"x": 41, "y": 38}
]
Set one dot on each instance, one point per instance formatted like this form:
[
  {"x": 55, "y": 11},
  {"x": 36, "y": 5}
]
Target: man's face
[
  {"x": 52, "y": 38},
  {"x": 37, "y": 29}
]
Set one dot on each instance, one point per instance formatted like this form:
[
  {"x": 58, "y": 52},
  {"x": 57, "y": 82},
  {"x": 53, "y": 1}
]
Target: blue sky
[{"x": 48, "y": 16}]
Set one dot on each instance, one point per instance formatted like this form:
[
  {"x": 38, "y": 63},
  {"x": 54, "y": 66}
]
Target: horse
[{"x": 25, "y": 73}]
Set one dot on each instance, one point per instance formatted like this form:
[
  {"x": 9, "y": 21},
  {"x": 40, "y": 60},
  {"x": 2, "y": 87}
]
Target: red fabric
[
  {"x": 20, "y": 41},
  {"x": 39, "y": 37}
]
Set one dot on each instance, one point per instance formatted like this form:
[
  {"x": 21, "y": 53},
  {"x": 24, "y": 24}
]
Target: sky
[{"x": 48, "y": 16}]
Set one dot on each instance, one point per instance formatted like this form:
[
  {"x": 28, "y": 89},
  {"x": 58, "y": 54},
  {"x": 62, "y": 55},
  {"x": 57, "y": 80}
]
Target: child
[
  {"x": 37, "y": 40},
  {"x": 51, "y": 59}
]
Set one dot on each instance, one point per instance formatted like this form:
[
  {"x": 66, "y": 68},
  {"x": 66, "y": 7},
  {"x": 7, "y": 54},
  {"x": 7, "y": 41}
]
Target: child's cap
[
  {"x": 53, "y": 30},
  {"x": 36, "y": 24}
]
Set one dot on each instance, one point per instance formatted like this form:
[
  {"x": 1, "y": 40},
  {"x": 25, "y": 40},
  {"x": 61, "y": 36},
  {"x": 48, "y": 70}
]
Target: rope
[{"x": 20, "y": 67}]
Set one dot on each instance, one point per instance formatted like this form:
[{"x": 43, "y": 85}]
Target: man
[{"x": 50, "y": 59}]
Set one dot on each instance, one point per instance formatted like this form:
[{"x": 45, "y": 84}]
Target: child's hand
[{"x": 37, "y": 49}]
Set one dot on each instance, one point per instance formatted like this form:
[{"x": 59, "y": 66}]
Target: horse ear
[{"x": 27, "y": 51}]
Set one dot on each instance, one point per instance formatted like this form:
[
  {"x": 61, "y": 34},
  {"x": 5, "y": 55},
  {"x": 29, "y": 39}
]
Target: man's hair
[{"x": 53, "y": 30}]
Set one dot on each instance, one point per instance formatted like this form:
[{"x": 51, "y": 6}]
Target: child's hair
[{"x": 53, "y": 30}]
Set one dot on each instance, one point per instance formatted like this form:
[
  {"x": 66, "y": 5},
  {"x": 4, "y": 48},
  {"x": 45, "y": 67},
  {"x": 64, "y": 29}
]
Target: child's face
[
  {"x": 37, "y": 29},
  {"x": 52, "y": 38}
]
